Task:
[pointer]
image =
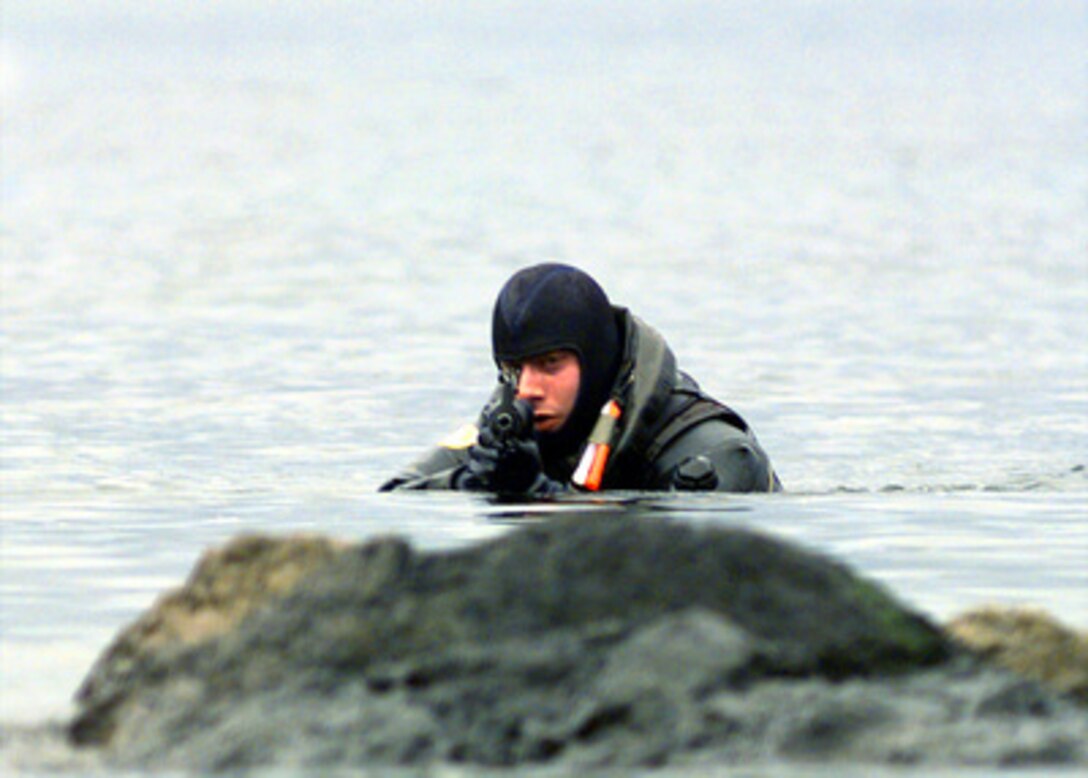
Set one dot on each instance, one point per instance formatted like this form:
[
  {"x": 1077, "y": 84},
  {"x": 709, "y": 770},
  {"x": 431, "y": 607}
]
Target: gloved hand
[{"x": 505, "y": 465}]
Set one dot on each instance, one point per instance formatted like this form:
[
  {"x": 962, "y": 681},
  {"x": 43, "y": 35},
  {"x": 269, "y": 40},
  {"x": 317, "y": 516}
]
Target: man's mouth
[{"x": 543, "y": 420}]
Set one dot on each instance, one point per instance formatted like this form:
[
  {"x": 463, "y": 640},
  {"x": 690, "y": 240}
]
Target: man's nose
[{"x": 529, "y": 385}]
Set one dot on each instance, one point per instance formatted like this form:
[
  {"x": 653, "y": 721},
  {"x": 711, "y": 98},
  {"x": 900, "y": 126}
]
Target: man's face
[{"x": 549, "y": 382}]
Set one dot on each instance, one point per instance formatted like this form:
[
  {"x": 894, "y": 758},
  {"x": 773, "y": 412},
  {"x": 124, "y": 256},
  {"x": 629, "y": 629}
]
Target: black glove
[{"x": 505, "y": 465}]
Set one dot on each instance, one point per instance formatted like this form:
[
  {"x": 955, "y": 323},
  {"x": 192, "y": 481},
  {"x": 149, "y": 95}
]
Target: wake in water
[
  {"x": 43, "y": 748},
  {"x": 1074, "y": 479}
]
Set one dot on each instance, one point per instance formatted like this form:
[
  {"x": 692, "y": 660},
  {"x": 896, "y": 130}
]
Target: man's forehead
[{"x": 554, "y": 353}]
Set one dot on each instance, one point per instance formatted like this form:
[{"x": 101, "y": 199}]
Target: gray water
[{"x": 249, "y": 255}]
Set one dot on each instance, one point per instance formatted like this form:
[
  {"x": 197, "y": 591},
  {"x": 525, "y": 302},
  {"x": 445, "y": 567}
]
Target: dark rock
[
  {"x": 937, "y": 716},
  {"x": 225, "y": 587},
  {"x": 583, "y": 641}
]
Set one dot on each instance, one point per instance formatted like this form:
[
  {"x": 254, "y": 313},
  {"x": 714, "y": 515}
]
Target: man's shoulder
[
  {"x": 714, "y": 442},
  {"x": 433, "y": 470},
  {"x": 689, "y": 409}
]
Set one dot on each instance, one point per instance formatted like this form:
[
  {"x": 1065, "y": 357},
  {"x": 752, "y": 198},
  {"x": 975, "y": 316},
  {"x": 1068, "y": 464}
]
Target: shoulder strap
[{"x": 700, "y": 409}]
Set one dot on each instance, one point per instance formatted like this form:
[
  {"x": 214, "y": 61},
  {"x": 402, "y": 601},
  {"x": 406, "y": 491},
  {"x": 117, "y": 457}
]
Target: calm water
[{"x": 249, "y": 257}]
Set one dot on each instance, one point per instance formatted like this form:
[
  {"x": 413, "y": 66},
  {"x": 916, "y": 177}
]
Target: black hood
[{"x": 553, "y": 306}]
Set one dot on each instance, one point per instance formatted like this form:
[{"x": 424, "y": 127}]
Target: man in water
[{"x": 589, "y": 398}]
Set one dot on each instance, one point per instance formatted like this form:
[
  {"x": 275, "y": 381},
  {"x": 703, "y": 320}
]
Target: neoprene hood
[{"x": 553, "y": 306}]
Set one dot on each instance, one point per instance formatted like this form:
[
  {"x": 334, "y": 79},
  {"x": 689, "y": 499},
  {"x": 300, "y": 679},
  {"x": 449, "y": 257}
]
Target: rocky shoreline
[{"x": 617, "y": 642}]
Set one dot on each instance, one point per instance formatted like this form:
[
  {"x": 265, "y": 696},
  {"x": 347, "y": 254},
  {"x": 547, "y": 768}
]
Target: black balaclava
[{"x": 553, "y": 306}]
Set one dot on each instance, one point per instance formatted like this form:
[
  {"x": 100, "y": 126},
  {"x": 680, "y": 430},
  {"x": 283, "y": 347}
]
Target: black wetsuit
[{"x": 670, "y": 435}]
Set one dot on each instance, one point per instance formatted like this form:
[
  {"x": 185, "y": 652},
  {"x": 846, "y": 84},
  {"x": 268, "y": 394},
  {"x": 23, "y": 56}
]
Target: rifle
[{"x": 508, "y": 418}]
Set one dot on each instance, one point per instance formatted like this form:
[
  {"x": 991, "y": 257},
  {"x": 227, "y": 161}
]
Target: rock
[
  {"x": 941, "y": 715},
  {"x": 581, "y": 641},
  {"x": 226, "y": 586},
  {"x": 1030, "y": 642}
]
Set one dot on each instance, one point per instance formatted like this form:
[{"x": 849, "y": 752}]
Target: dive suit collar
[{"x": 646, "y": 378}]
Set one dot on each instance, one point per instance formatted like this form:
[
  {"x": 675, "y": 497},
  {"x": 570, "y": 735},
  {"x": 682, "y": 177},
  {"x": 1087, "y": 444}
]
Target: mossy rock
[{"x": 511, "y": 650}]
